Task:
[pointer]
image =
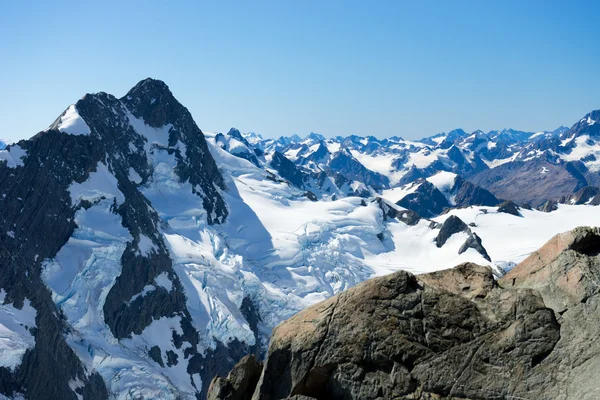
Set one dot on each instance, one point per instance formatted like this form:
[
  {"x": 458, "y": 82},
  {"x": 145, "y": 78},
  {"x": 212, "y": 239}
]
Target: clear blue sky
[{"x": 282, "y": 67}]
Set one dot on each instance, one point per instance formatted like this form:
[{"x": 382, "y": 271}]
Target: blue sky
[{"x": 283, "y": 67}]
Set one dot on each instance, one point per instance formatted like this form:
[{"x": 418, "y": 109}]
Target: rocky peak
[
  {"x": 287, "y": 169},
  {"x": 451, "y": 225},
  {"x": 152, "y": 100},
  {"x": 509, "y": 207},
  {"x": 427, "y": 200},
  {"x": 588, "y": 125},
  {"x": 235, "y": 133},
  {"x": 317, "y": 137}
]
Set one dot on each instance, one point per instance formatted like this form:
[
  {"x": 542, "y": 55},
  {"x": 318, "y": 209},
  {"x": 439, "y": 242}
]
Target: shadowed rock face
[
  {"x": 474, "y": 242},
  {"x": 508, "y": 207},
  {"x": 240, "y": 382},
  {"x": 344, "y": 163},
  {"x": 427, "y": 200},
  {"x": 523, "y": 182},
  {"x": 467, "y": 194},
  {"x": 287, "y": 169},
  {"x": 451, "y": 334},
  {"x": 450, "y": 226}
]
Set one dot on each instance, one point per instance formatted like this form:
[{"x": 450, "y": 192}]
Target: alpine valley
[{"x": 140, "y": 257}]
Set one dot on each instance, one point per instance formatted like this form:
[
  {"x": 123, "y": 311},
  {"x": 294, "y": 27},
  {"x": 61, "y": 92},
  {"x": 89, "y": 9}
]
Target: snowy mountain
[
  {"x": 141, "y": 256},
  {"x": 493, "y": 160}
]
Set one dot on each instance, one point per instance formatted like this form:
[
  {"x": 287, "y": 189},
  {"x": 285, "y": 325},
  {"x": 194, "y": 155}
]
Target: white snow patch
[
  {"x": 146, "y": 246},
  {"x": 421, "y": 159},
  {"x": 15, "y": 337},
  {"x": 398, "y": 193},
  {"x": 72, "y": 123},
  {"x": 99, "y": 184},
  {"x": 164, "y": 281},
  {"x": 333, "y": 147},
  {"x": 134, "y": 176},
  {"x": 537, "y": 134},
  {"x": 13, "y": 156},
  {"x": 500, "y": 161},
  {"x": 153, "y": 136},
  {"x": 147, "y": 289},
  {"x": 382, "y": 163},
  {"x": 443, "y": 181}
]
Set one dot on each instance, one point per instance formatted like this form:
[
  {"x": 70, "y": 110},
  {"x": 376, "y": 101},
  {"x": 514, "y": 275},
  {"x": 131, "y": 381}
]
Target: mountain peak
[
  {"x": 315, "y": 136},
  {"x": 150, "y": 84},
  {"x": 152, "y": 100}
]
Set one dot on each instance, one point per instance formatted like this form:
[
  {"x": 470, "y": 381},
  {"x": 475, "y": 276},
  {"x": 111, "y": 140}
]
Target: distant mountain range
[{"x": 530, "y": 168}]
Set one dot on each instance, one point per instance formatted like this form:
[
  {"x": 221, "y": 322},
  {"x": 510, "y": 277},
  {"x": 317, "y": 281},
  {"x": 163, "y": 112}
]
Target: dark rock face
[
  {"x": 451, "y": 225},
  {"x": 583, "y": 126},
  {"x": 474, "y": 242},
  {"x": 240, "y": 382},
  {"x": 509, "y": 207},
  {"x": 287, "y": 169},
  {"x": 467, "y": 194},
  {"x": 584, "y": 195},
  {"x": 427, "y": 200},
  {"x": 35, "y": 203},
  {"x": 532, "y": 182},
  {"x": 463, "y": 166},
  {"x": 549, "y": 206},
  {"x": 251, "y": 314},
  {"x": 311, "y": 196},
  {"x": 412, "y": 175}
]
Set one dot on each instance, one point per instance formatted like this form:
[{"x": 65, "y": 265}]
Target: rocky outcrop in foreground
[{"x": 451, "y": 334}]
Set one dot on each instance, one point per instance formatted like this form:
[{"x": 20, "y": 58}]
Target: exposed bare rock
[
  {"x": 474, "y": 242},
  {"x": 562, "y": 270},
  {"x": 468, "y": 280},
  {"x": 509, "y": 207},
  {"x": 394, "y": 338},
  {"x": 549, "y": 206},
  {"x": 240, "y": 382},
  {"x": 426, "y": 200},
  {"x": 390, "y": 210},
  {"x": 451, "y": 225}
]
